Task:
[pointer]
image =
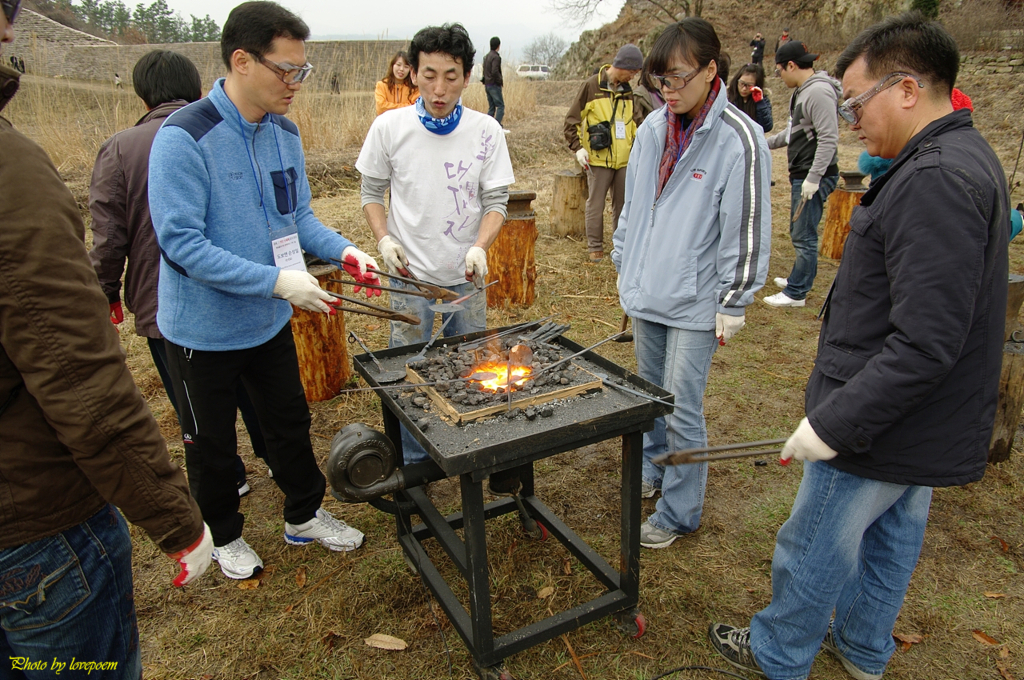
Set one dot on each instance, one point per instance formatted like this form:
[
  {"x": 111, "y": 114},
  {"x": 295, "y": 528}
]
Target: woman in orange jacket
[{"x": 395, "y": 89}]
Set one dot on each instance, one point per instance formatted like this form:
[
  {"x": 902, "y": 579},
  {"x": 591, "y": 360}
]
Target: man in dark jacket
[
  {"x": 77, "y": 436},
  {"x": 903, "y": 393},
  {"x": 757, "y": 54},
  {"x": 493, "y": 82},
  {"x": 122, "y": 228}
]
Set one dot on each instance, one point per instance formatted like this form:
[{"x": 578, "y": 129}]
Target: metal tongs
[
  {"x": 690, "y": 456},
  {"x": 374, "y": 310},
  {"x": 437, "y": 292}
]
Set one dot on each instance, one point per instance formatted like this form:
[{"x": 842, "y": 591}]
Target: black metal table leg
[
  {"x": 632, "y": 469},
  {"x": 478, "y": 579}
]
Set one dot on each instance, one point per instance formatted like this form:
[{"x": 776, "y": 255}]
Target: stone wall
[
  {"x": 986, "y": 64},
  {"x": 54, "y": 50}
]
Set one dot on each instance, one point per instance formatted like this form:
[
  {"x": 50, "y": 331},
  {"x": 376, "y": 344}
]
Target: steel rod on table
[{"x": 573, "y": 356}]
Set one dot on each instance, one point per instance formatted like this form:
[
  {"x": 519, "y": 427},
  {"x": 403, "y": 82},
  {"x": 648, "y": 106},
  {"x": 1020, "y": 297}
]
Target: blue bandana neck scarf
[{"x": 439, "y": 126}]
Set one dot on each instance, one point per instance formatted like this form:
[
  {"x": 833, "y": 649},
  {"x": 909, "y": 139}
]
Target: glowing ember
[{"x": 519, "y": 375}]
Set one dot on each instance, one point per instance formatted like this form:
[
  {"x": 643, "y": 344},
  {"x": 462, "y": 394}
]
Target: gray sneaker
[
  {"x": 647, "y": 490},
  {"x": 653, "y": 537},
  {"x": 829, "y": 645},
  {"x": 734, "y": 646}
]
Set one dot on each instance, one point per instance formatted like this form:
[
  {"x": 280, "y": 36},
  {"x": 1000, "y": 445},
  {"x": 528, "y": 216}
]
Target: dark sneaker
[
  {"x": 734, "y": 644},
  {"x": 829, "y": 645}
]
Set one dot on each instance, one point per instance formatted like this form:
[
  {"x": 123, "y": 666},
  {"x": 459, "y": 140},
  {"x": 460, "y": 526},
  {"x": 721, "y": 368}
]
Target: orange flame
[{"x": 519, "y": 375}]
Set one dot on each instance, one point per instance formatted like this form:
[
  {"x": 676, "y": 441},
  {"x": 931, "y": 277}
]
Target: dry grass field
[{"x": 311, "y": 612}]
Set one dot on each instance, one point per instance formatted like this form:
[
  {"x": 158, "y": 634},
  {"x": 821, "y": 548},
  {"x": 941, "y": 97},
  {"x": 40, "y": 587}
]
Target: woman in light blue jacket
[{"x": 691, "y": 249}]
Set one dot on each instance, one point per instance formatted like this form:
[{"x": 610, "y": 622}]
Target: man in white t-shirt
[{"x": 448, "y": 169}]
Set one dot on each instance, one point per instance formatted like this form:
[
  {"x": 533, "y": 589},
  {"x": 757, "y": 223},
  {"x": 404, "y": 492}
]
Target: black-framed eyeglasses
[
  {"x": 851, "y": 109},
  {"x": 673, "y": 82},
  {"x": 288, "y": 73},
  {"x": 11, "y": 9}
]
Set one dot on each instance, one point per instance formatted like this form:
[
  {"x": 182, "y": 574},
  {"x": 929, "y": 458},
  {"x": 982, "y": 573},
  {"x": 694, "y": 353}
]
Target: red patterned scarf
[{"x": 678, "y": 137}]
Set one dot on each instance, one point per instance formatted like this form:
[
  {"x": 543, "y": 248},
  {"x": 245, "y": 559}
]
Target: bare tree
[
  {"x": 667, "y": 11},
  {"x": 546, "y": 49}
]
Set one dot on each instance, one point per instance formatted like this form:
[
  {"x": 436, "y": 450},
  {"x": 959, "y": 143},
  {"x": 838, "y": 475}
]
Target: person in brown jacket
[
  {"x": 77, "y": 436},
  {"x": 122, "y": 228}
]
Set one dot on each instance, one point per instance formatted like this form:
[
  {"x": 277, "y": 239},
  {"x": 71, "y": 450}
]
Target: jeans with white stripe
[{"x": 679, "y": 361}]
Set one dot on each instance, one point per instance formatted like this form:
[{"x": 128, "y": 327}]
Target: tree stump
[
  {"x": 569, "y": 204},
  {"x": 510, "y": 259},
  {"x": 837, "y": 219},
  {"x": 1011, "y": 381},
  {"x": 320, "y": 343}
]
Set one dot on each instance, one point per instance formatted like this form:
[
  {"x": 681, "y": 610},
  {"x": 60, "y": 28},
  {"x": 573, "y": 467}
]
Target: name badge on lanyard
[
  {"x": 287, "y": 251},
  {"x": 620, "y": 129}
]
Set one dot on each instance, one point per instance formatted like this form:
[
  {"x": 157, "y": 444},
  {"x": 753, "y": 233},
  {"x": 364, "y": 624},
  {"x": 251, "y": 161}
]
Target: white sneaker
[
  {"x": 781, "y": 282},
  {"x": 325, "y": 530},
  {"x": 237, "y": 560},
  {"x": 783, "y": 300}
]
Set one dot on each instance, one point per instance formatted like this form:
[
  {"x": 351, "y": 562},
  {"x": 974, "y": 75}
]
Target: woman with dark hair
[
  {"x": 691, "y": 248},
  {"x": 746, "y": 93},
  {"x": 395, "y": 89}
]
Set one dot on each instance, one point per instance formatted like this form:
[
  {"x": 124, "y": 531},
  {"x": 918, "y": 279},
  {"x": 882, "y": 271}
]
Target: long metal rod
[
  {"x": 476, "y": 377},
  {"x": 689, "y": 456},
  {"x": 573, "y": 356},
  {"x": 396, "y": 291},
  {"x": 423, "y": 352},
  {"x": 638, "y": 393},
  {"x": 437, "y": 291},
  {"x": 481, "y": 342}
]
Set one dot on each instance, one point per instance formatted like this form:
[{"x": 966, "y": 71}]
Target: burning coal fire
[{"x": 519, "y": 375}]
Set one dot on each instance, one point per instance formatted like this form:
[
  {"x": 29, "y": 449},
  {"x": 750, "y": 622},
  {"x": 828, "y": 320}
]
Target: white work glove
[
  {"x": 394, "y": 255},
  {"x": 476, "y": 265},
  {"x": 808, "y": 189},
  {"x": 583, "y": 158},
  {"x": 727, "y": 326},
  {"x": 194, "y": 559},
  {"x": 302, "y": 290},
  {"x": 362, "y": 268},
  {"x": 805, "y": 444}
]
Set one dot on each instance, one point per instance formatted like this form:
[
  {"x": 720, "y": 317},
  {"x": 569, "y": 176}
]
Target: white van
[{"x": 533, "y": 71}]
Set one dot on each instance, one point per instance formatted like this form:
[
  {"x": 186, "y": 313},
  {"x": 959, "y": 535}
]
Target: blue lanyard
[{"x": 255, "y": 177}]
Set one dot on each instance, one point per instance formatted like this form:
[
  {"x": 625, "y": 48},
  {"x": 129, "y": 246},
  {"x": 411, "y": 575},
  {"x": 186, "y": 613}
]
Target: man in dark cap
[
  {"x": 600, "y": 128},
  {"x": 812, "y": 138}
]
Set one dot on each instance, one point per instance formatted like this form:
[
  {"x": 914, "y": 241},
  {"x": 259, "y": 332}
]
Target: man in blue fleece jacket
[{"x": 229, "y": 198}]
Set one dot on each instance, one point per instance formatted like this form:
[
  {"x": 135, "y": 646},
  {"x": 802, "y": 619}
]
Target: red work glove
[
  {"x": 756, "y": 93},
  {"x": 194, "y": 559},
  {"x": 360, "y": 267},
  {"x": 116, "y": 313}
]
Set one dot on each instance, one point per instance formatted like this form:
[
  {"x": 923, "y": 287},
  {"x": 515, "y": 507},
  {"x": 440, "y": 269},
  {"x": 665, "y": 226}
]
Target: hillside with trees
[{"x": 112, "y": 19}]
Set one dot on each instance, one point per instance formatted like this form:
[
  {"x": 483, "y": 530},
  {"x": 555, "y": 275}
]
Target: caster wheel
[
  {"x": 631, "y": 623},
  {"x": 540, "y": 533}
]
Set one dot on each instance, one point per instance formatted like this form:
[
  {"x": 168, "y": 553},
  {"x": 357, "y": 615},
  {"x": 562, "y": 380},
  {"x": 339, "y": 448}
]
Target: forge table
[{"x": 473, "y": 452}]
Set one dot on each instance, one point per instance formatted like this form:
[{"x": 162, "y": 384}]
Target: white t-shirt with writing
[{"x": 436, "y": 182}]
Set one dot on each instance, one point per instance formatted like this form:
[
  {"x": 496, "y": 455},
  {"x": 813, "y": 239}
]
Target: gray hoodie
[{"x": 813, "y": 131}]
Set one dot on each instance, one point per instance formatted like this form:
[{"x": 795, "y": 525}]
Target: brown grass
[{"x": 281, "y": 630}]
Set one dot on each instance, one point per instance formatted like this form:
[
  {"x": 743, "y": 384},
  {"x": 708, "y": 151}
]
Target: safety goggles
[
  {"x": 673, "y": 82},
  {"x": 851, "y": 109},
  {"x": 11, "y": 9},
  {"x": 288, "y": 73}
]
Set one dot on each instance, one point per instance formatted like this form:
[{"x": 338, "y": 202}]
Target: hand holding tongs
[
  {"x": 689, "y": 456},
  {"x": 436, "y": 291},
  {"x": 395, "y": 291}
]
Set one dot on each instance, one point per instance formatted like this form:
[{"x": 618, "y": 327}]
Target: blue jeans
[
  {"x": 472, "y": 319},
  {"x": 804, "y": 232},
  {"x": 679, "y": 361},
  {"x": 495, "y": 102},
  {"x": 69, "y": 596},
  {"x": 849, "y": 545}
]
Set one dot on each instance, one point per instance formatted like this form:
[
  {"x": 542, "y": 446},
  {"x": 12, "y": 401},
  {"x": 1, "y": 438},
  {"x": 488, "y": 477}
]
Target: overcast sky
[{"x": 516, "y": 23}]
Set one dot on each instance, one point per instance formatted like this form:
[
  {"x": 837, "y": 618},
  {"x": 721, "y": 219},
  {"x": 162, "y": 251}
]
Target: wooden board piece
[
  {"x": 521, "y": 402},
  {"x": 1011, "y": 397}
]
